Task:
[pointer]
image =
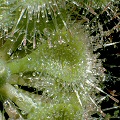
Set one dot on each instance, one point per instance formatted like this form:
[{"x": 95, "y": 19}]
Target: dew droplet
[
  {"x": 24, "y": 16},
  {"x": 29, "y": 59},
  {"x": 11, "y": 40},
  {"x": 5, "y": 29},
  {"x": 20, "y": 99},
  {"x": 30, "y": 18},
  {"x": 23, "y": 112},
  {"x": 35, "y": 68},
  {"x": 59, "y": 13},
  {"x": 7, "y": 2},
  {"x": 43, "y": 16},
  {"x": 48, "y": 117},
  {"x": 38, "y": 21},
  {"x": 21, "y": 74},
  {"x": 38, "y": 73},
  {"x": 50, "y": 2},
  {"x": 16, "y": 86},
  {"x": 49, "y": 13},
  {"x": 53, "y": 34},
  {"x": 20, "y": 47},
  {"x": 9, "y": 52},
  {"x": 6, "y": 37},
  {"x": 34, "y": 74},
  {"x": 47, "y": 21},
  {"x": 6, "y": 104}
]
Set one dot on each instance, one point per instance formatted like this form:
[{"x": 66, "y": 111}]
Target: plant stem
[
  {"x": 2, "y": 116},
  {"x": 24, "y": 102}
]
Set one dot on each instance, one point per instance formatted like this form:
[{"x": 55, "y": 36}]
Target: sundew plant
[{"x": 49, "y": 66}]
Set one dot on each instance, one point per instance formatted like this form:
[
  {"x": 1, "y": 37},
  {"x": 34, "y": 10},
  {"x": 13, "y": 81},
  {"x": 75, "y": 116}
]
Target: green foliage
[
  {"x": 45, "y": 46},
  {"x": 61, "y": 56}
]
